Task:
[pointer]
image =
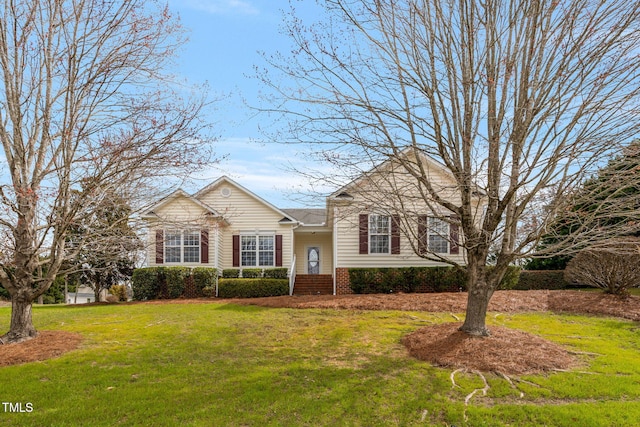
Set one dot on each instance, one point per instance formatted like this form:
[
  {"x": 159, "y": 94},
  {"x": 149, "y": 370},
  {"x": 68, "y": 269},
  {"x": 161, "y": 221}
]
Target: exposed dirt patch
[
  {"x": 47, "y": 345},
  {"x": 506, "y": 351}
]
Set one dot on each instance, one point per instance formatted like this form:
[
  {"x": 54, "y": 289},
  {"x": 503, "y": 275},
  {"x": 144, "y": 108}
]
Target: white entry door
[{"x": 313, "y": 260}]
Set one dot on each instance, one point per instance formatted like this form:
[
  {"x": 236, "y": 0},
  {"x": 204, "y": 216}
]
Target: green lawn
[{"x": 220, "y": 364}]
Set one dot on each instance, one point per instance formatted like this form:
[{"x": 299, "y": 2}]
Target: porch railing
[{"x": 292, "y": 275}]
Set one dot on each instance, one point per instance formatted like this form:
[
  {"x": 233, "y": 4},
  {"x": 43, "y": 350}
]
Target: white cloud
[
  {"x": 265, "y": 169},
  {"x": 217, "y": 7}
]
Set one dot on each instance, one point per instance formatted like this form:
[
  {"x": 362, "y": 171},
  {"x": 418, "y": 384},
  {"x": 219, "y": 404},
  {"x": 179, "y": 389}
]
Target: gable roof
[
  {"x": 151, "y": 212},
  {"x": 308, "y": 216},
  {"x": 224, "y": 178}
]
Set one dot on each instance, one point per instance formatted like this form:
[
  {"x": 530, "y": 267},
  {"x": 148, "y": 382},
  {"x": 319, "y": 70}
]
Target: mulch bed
[
  {"x": 502, "y": 301},
  {"x": 506, "y": 351},
  {"x": 47, "y": 345}
]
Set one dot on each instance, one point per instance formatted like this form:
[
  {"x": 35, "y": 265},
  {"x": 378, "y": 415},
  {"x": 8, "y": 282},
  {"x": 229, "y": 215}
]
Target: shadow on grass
[{"x": 238, "y": 308}]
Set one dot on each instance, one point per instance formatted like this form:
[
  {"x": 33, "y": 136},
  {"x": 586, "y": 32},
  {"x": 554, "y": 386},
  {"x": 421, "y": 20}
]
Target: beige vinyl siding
[
  {"x": 347, "y": 242},
  {"x": 180, "y": 213},
  {"x": 246, "y": 214},
  {"x": 364, "y": 202},
  {"x": 322, "y": 240}
]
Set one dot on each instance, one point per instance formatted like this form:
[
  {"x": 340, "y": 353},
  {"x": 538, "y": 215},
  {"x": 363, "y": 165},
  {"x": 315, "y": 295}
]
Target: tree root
[
  {"x": 452, "y": 377},
  {"x": 513, "y": 386},
  {"x": 13, "y": 338},
  {"x": 484, "y": 389}
]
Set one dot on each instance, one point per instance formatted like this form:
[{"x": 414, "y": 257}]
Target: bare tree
[
  {"x": 84, "y": 104},
  {"x": 518, "y": 100},
  {"x": 613, "y": 266}
]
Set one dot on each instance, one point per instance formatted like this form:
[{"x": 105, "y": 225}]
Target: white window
[
  {"x": 182, "y": 246},
  {"x": 438, "y": 236},
  {"x": 257, "y": 251},
  {"x": 379, "y": 234},
  {"x": 173, "y": 246},
  {"x": 191, "y": 246}
]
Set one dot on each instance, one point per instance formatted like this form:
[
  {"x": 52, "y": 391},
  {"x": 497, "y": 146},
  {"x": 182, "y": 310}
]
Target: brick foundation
[{"x": 342, "y": 281}]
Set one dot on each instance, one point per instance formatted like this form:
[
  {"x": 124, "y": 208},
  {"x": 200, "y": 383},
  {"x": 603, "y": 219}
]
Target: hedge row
[
  {"x": 254, "y": 273},
  {"x": 172, "y": 282},
  {"x": 542, "y": 279},
  {"x": 417, "y": 279},
  {"x": 252, "y": 287}
]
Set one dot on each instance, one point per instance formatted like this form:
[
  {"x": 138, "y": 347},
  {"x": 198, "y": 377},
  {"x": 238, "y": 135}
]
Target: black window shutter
[
  {"x": 278, "y": 250},
  {"x": 236, "y": 250},
  {"x": 204, "y": 246},
  {"x": 364, "y": 233},
  {"x": 395, "y": 234},
  {"x": 423, "y": 235},
  {"x": 454, "y": 247},
  {"x": 159, "y": 246}
]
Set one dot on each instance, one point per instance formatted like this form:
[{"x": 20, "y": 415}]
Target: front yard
[{"x": 220, "y": 363}]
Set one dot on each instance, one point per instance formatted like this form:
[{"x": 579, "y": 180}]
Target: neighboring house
[
  {"x": 225, "y": 225},
  {"x": 85, "y": 295}
]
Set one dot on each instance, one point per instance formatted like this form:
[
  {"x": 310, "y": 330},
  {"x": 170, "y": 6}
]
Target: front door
[{"x": 313, "y": 260}]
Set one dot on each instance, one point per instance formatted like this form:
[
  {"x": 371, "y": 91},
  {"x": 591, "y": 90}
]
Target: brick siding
[{"x": 342, "y": 281}]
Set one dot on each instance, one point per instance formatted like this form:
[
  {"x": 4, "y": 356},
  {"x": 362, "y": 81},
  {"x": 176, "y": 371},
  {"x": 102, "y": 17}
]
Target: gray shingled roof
[{"x": 308, "y": 216}]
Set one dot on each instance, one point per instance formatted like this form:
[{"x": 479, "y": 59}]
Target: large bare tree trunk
[
  {"x": 477, "y": 303},
  {"x": 21, "y": 328},
  {"x": 480, "y": 291}
]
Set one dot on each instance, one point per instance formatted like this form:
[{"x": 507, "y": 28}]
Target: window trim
[
  {"x": 182, "y": 246},
  {"x": 445, "y": 235},
  {"x": 388, "y": 234},
  {"x": 257, "y": 251}
]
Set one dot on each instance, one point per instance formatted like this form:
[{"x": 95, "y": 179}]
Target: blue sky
[{"x": 225, "y": 38}]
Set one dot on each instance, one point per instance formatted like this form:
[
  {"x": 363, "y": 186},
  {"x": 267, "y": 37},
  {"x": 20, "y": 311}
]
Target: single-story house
[{"x": 225, "y": 225}]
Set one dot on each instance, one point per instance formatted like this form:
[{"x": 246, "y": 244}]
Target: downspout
[{"x": 292, "y": 273}]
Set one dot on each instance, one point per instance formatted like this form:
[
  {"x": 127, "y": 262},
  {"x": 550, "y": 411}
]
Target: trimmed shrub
[
  {"x": 171, "y": 282},
  {"x": 418, "y": 279},
  {"x": 511, "y": 278},
  {"x": 204, "y": 277},
  {"x": 209, "y": 291},
  {"x": 365, "y": 281},
  {"x": 541, "y": 279},
  {"x": 453, "y": 279},
  {"x": 252, "y": 288},
  {"x": 145, "y": 284},
  {"x": 174, "y": 279},
  {"x": 231, "y": 273},
  {"x": 276, "y": 273},
  {"x": 407, "y": 279},
  {"x": 251, "y": 273}
]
